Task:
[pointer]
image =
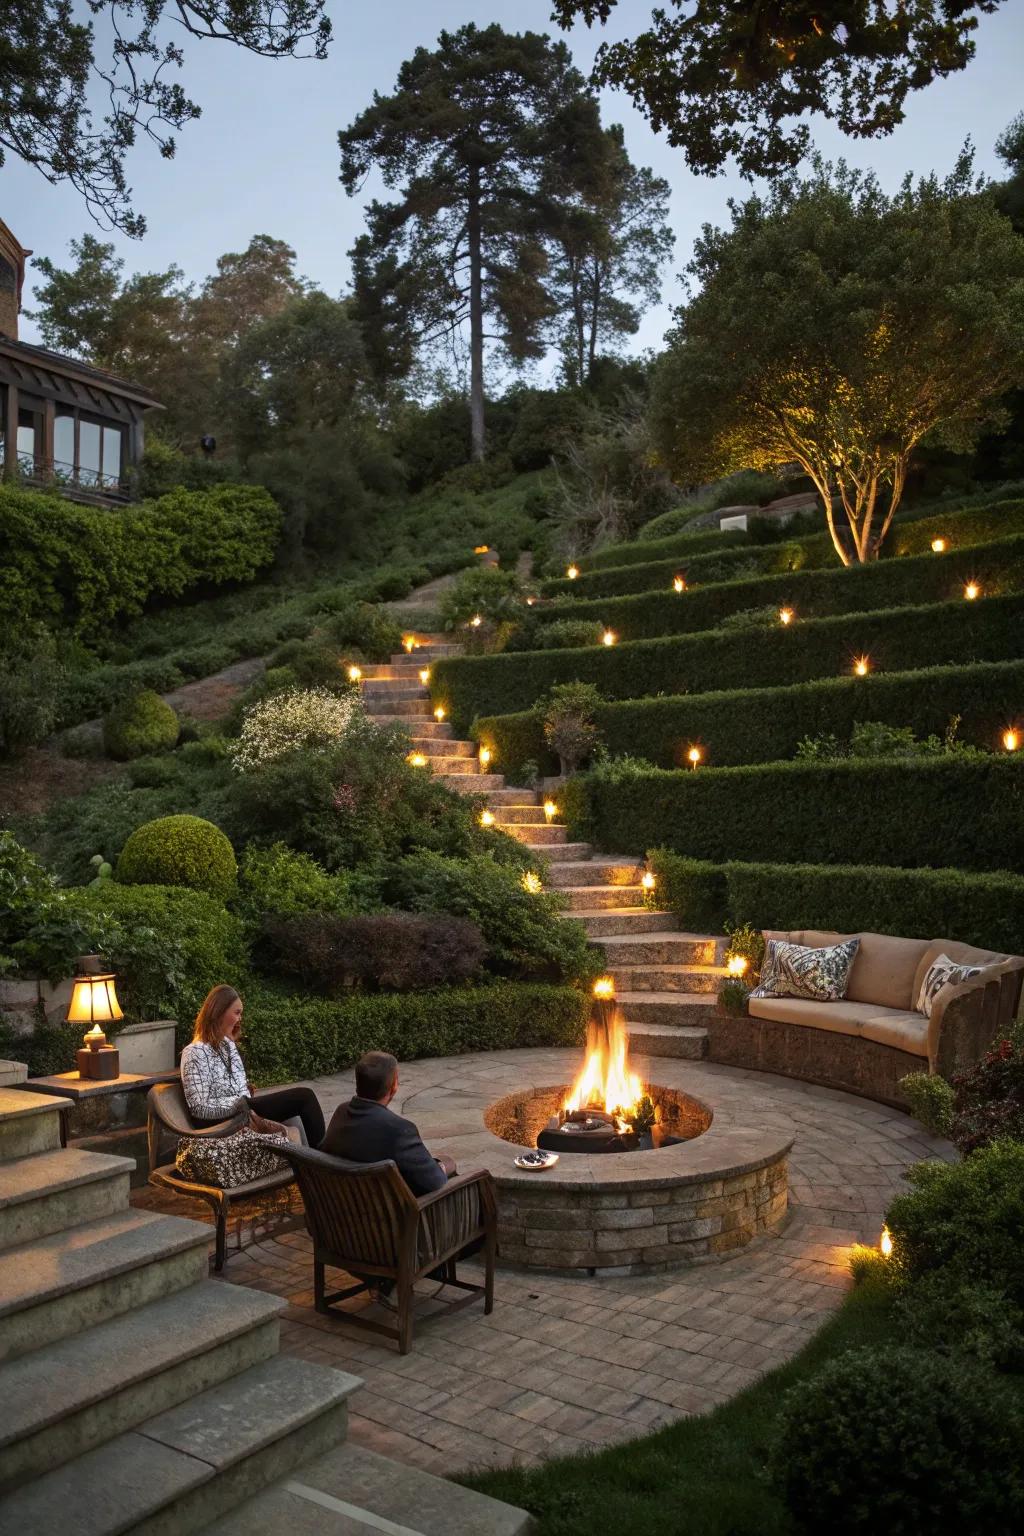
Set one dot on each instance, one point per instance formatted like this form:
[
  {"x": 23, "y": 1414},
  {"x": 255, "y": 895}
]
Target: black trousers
[{"x": 284, "y": 1105}]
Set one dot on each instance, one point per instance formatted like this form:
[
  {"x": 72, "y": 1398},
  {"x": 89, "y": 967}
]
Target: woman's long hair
[{"x": 215, "y": 1005}]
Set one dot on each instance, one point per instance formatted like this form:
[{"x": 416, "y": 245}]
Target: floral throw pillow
[
  {"x": 939, "y": 974},
  {"x": 794, "y": 970}
]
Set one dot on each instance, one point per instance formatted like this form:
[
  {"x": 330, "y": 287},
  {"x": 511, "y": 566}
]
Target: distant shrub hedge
[
  {"x": 763, "y": 725},
  {"x": 811, "y": 592},
  {"x": 84, "y": 568},
  {"x": 982, "y": 909},
  {"x": 289, "y": 1036},
  {"x": 920, "y": 813},
  {"x": 896, "y": 639},
  {"x": 141, "y": 723},
  {"x": 643, "y": 552},
  {"x": 701, "y": 568}
]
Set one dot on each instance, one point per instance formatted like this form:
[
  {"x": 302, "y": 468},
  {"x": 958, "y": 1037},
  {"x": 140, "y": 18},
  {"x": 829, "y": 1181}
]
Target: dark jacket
[{"x": 366, "y": 1132}]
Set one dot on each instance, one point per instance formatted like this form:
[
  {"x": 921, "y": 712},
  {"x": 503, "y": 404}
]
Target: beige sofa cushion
[
  {"x": 905, "y": 1030},
  {"x": 885, "y": 969}
]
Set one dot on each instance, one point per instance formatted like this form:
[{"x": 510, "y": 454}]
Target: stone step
[
  {"x": 422, "y": 655},
  {"x": 574, "y": 851},
  {"x": 520, "y": 797},
  {"x": 52, "y": 1191},
  {"x": 687, "y": 1008},
  {"x": 422, "y": 727},
  {"x": 536, "y": 834},
  {"x": 56, "y": 1286},
  {"x": 624, "y": 922},
  {"x": 181, "y": 1470},
  {"x": 385, "y": 693},
  {"x": 519, "y": 813},
  {"x": 666, "y": 978},
  {"x": 433, "y": 746},
  {"x": 473, "y": 783},
  {"x": 605, "y": 898},
  {"x": 389, "y": 709},
  {"x": 356, "y": 1492},
  {"x": 68, "y": 1397},
  {"x": 683, "y": 1042},
  {"x": 29, "y": 1122},
  {"x": 448, "y": 764},
  {"x": 571, "y": 872},
  {"x": 670, "y": 949}
]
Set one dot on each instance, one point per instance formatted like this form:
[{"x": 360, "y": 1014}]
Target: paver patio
[{"x": 566, "y": 1364}]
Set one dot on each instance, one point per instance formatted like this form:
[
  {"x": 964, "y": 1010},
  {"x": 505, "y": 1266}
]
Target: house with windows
[{"x": 63, "y": 423}]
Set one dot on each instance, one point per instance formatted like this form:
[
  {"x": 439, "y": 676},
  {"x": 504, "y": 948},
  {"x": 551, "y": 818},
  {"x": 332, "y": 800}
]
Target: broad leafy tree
[
  {"x": 55, "y": 61},
  {"x": 836, "y": 328},
  {"x": 610, "y": 244},
  {"x": 723, "y": 78},
  {"x": 465, "y": 140}
]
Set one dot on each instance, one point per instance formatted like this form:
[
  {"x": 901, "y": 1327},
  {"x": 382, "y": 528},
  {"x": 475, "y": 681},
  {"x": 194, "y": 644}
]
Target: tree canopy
[
  {"x": 53, "y": 66},
  {"x": 835, "y": 327},
  {"x": 725, "y": 79}
]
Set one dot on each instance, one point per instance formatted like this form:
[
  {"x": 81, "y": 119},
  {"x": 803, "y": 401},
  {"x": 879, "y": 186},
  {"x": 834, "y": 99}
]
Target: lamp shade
[{"x": 93, "y": 997}]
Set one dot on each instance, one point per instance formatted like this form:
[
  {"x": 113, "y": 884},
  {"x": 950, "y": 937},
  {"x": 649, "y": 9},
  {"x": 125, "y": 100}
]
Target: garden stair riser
[{"x": 54, "y": 1190}]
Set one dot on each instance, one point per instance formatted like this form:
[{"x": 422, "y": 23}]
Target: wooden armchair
[
  {"x": 364, "y": 1219},
  {"x": 169, "y": 1118}
]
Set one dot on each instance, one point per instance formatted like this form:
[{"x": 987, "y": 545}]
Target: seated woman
[{"x": 214, "y": 1080}]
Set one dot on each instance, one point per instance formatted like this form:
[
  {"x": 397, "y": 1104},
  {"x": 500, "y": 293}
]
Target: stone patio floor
[{"x": 567, "y": 1364}]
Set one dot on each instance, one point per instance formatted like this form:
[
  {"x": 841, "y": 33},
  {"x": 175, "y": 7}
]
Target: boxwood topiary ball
[
  {"x": 179, "y": 850},
  {"x": 139, "y": 724}
]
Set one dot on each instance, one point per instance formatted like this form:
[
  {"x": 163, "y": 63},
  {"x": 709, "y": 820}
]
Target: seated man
[{"x": 365, "y": 1130}]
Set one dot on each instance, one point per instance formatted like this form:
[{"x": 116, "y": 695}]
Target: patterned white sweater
[{"x": 213, "y": 1079}]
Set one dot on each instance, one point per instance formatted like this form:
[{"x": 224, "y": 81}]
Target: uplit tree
[
  {"x": 835, "y": 327},
  {"x": 722, "y": 78}
]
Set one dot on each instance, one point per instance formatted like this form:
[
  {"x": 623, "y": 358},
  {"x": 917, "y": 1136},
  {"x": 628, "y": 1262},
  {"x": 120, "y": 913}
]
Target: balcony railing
[{"x": 63, "y": 476}]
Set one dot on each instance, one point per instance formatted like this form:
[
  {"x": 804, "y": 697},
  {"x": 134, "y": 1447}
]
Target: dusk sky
[{"x": 263, "y": 157}]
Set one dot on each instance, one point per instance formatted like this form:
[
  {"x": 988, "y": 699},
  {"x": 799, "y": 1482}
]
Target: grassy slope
[{"x": 706, "y": 1475}]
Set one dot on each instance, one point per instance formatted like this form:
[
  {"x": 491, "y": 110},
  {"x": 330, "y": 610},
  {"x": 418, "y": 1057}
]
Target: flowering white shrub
[{"x": 301, "y": 717}]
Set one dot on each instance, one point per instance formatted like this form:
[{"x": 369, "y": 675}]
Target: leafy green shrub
[
  {"x": 525, "y": 933},
  {"x": 365, "y": 628},
  {"x": 31, "y": 678},
  {"x": 567, "y": 634},
  {"x": 753, "y": 725},
  {"x": 989, "y": 1099},
  {"x": 732, "y": 997},
  {"x": 310, "y": 664},
  {"x": 897, "y": 640},
  {"x": 310, "y": 719},
  {"x": 141, "y": 723},
  {"x": 901, "y": 1441},
  {"x": 279, "y": 882},
  {"x": 40, "y": 933},
  {"x": 746, "y": 942},
  {"x": 179, "y": 850},
  {"x": 931, "y": 1101},
  {"x": 390, "y": 951},
  {"x": 329, "y": 1035},
  {"x": 962, "y": 1318},
  {"x": 567, "y": 716},
  {"x": 963, "y": 1220},
  {"x": 486, "y": 590}
]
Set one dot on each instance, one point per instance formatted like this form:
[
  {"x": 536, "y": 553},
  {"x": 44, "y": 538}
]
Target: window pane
[
  {"x": 27, "y": 438},
  {"x": 64, "y": 441},
  {"x": 111, "y": 455},
  {"x": 88, "y": 450}
]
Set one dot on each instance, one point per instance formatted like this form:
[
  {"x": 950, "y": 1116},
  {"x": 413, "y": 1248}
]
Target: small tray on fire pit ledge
[{"x": 536, "y": 1162}]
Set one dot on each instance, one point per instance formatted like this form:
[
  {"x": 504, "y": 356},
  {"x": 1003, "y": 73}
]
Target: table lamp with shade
[{"x": 94, "y": 1002}]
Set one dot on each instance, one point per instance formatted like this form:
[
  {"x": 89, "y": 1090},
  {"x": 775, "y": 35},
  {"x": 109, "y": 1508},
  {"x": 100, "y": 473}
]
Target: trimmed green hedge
[
  {"x": 84, "y": 568},
  {"x": 681, "y": 543},
  {"x": 896, "y": 639},
  {"x": 920, "y": 813},
  {"x": 982, "y": 909},
  {"x": 702, "y": 569},
  {"x": 762, "y": 725},
  {"x": 289, "y": 1036},
  {"x": 813, "y": 593}
]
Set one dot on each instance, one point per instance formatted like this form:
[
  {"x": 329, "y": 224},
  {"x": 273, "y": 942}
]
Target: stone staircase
[
  {"x": 666, "y": 980},
  {"x": 141, "y": 1396}
]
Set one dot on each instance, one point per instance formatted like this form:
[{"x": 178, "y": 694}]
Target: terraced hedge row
[
  {"x": 812, "y": 593},
  {"x": 914, "y": 814},
  {"x": 896, "y": 639},
  {"x": 660, "y": 549},
  {"x": 987, "y": 909},
  {"x": 757, "y": 725}
]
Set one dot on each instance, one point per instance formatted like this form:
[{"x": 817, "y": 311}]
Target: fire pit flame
[{"x": 606, "y": 1082}]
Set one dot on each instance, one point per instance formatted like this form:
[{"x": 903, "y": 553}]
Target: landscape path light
[
  {"x": 971, "y": 591},
  {"x": 410, "y": 643},
  {"x": 609, "y": 637},
  {"x": 487, "y": 818},
  {"x": 694, "y": 756},
  {"x": 572, "y": 571},
  {"x": 736, "y": 965},
  {"x": 476, "y": 621},
  {"x": 938, "y": 546},
  {"x": 679, "y": 583},
  {"x": 785, "y": 615},
  {"x": 885, "y": 1243},
  {"x": 354, "y": 674},
  {"x": 604, "y": 986},
  {"x": 485, "y": 757},
  {"x": 424, "y": 675},
  {"x": 1011, "y": 739},
  {"x": 648, "y": 881},
  {"x": 416, "y": 760},
  {"x": 862, "y": 666},
  {"x": 550, "y": 810},
  {"x": 440, "y": 712},
  {"x": 532, "y": 883}
]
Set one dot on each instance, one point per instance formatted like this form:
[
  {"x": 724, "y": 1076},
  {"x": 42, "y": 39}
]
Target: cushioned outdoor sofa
[{"x": 875, "y": 1036}]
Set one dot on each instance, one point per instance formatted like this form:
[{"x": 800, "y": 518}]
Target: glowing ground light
[
  {"x": 487, "y": 818},
  {"x": 416, "y": 760},
  {"x": 938, "y": 546},
  {"x": 862, "y": 666},
  {"x": 1011, "y": 739},
  {"x": 785, "y": 615},
  {"x": 485, "y": 756},
  {"x": 410, "y": 643},
  {"x": 439, "y": 712},
  {"x": 550, "y": 810},
  {"x": 532, "y": 883},
  {"x": 604, "y": 986},
  {"x": 885, "y": 1243},
  {"x": 354, "y": 674},
  {"x": 572, "y": 571},
  {"x": 694, "y": 756},
  {"x": 736, "y": 965},
  {"x": 678, "y": 584},
  {"x": 971, "y": 591},
  {"x": 424, "y": 675},
  {"x": 648, "y": 881},
  {"x": 609, "y": 637},
  {"x": 476, "y": 621},
  {"x": 482, "y": 549}
]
